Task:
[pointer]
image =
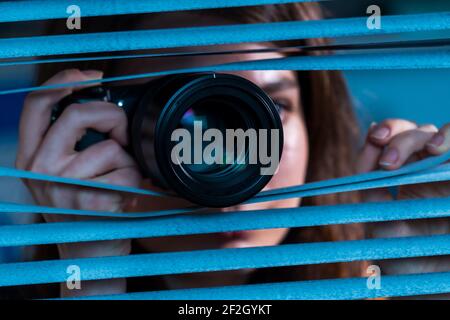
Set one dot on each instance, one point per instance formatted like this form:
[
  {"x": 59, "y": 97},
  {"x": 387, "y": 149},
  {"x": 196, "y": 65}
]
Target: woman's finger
[
  {"x": 60, "y": 141},
  {"x": 440, "y": 142},
  {"x": 368, "y": 158},
  {"x": 404, "y": 145},
  {"x": 383, "y": 133},
  {"x": 89, "y": 199},
  {"x": 98, "y": 160},
  {"x": 35, "y": 118}
]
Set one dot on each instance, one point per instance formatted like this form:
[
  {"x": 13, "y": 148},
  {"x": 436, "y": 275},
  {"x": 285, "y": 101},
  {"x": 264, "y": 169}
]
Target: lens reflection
[{"x": 220, "y": 114}]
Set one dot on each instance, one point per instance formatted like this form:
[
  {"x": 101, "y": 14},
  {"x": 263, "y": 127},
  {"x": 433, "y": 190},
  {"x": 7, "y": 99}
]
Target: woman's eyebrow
[{"x": 282, "y": 84}]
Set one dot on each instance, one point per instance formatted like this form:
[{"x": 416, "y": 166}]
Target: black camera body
[{"x": 157, "y": 108}]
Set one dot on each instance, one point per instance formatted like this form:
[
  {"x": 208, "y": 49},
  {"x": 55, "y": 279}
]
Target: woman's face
[{"x": 283, "y": 88}]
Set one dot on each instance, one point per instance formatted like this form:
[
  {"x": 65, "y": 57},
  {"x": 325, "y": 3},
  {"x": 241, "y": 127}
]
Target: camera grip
[
  {"x": 90, "y": 94},
  {"x": 90, "y": 138}
]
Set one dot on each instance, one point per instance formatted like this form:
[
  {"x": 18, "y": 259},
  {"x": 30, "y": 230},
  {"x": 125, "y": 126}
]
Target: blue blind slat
[
  {"x": 223, "y": 259},
  {"x": 12, "y": 172},
  {"x": 215, "y": 35},
  {"x": 67, "y": 232},
  {"x": 426, "y": 166},
  {"x": 227, "y": 259},
  {"x": 14, "y": 11},
  {"x": 427, "y": 163},
  {"x": 439, "y": 174},
  {"x": 432, "y": 175},
  {"x": 423, "y": 59},
  {"x": 36, "y": 209},
  {"x": 335, "y": 289}
]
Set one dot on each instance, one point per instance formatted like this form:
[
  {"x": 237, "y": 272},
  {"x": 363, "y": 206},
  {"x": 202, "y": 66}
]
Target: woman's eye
[
  {"x": 282, "y": 102},
  {"x": 282, "y": 106}
]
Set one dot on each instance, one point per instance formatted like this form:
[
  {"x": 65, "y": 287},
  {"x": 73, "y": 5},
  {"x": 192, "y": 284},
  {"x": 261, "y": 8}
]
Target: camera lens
[
  {"x": 220, "y": 114},
  {"x": 209, "y": 109}
]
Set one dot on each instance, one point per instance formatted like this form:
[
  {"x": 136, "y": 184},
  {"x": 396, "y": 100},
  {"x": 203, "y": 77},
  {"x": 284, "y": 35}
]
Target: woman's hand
[
  {"x": 390, "y": 145},
  {"x": 393, "y": 143},
  {"x": 50, "y": 150}
]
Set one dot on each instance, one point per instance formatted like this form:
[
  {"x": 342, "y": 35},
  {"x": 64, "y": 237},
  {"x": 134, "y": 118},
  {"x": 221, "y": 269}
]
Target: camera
[{"x": 219, "y": 116}]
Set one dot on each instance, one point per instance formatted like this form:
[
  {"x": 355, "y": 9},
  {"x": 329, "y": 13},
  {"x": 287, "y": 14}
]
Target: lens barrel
[{"x": 221, "y": 102}]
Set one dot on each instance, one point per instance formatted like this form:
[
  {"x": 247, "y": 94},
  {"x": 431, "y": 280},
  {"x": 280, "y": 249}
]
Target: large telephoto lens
[{"x": 207, "y": 137}]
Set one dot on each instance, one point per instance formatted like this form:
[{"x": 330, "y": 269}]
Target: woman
[{"x": 321, "y": 136}]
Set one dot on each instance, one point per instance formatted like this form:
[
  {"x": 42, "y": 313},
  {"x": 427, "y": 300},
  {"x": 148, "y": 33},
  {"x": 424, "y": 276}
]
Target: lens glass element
[{"x": 218, "y": 114}]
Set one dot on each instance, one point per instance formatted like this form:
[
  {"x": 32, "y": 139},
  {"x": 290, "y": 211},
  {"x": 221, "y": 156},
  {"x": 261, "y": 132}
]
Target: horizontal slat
[
  {"x": 66, "y": 232},
  {"x": 441, "y": 173},
  {"x": 7, "y": 207},
  {"x": 23, "y": 174},
  {"x": 215, "y": 35},
  {"x": 13, "y": 11},
  {"x": 342, "y": 47},
  {"x": 421, "y": 59},
  {"x": 223, "y": 259},
  {"x": 334, "y": 289},
  {"x": 424, "y": 164}
]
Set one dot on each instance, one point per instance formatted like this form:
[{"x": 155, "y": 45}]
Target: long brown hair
[{"x": 332, "y": 126}]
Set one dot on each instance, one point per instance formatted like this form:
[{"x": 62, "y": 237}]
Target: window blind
[{"x": 186, "y": 221}]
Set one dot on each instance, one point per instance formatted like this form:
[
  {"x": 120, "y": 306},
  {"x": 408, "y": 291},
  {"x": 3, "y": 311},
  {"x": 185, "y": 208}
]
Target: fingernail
[
  {"x": 380, "y": 133},
  {"x": 390, "y": 157},
  {"x": 436, "y": 141},
  {"x": 95, "y": 74}
]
